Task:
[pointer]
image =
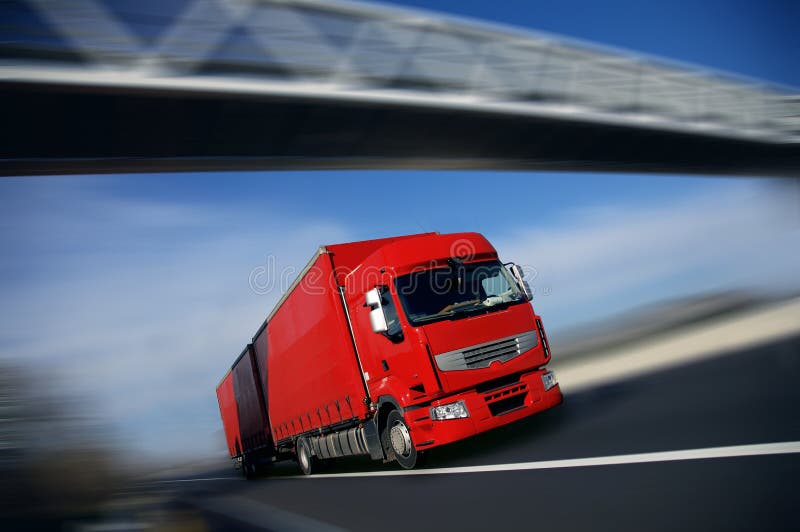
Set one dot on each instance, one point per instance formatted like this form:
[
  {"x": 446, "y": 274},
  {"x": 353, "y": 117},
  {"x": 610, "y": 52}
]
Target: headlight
[
  {"x": 450, "y": 411},
  {"x": 549, "y": 380}
]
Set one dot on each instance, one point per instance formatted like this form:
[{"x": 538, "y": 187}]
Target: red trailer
[
  {"x": 388, "y": 348},
  {"x": 243, "y": 408}
]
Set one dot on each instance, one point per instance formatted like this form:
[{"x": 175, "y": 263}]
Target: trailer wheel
[
  {"x": 305, "y": 460},
  {"x": 248, "y": 468},
  {"x": 399, "y": 439}
]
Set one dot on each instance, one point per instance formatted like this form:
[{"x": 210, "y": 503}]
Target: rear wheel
[
  {"x": 305, "y": 460},
  {"x": 399, "y": 440},
  {"x": 248, "y": 468}
]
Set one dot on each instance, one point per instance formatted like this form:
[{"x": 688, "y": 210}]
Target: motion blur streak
[{"x": 714, "y": 337}]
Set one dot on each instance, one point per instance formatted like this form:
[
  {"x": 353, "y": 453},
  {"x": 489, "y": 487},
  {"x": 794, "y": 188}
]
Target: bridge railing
[{"x": 356, "y": 50}]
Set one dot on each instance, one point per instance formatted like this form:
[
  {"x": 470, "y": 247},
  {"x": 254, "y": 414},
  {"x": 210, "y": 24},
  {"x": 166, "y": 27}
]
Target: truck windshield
[{"x": 457, "y": 290}]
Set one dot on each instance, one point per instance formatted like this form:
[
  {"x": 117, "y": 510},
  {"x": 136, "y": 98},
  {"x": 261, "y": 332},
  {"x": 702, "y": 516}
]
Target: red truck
[{"x": 388, "y": 348}]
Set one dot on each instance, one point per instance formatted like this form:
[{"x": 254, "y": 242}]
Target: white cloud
[
  {"x": 142, "y": 306},
  {"x": 604, "y": 260}
]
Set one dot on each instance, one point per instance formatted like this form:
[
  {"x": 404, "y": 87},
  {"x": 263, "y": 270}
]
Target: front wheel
[{"x": 399, "y": 439}]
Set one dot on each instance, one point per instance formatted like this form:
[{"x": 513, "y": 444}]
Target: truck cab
[{"x": 448, "y": 341}]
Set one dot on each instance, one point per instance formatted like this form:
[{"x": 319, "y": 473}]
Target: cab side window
[{"x": 390, "y": 311}]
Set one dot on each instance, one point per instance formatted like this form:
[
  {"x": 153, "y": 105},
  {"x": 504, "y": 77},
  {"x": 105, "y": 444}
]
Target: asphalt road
[{"x": 748, "y": 397}]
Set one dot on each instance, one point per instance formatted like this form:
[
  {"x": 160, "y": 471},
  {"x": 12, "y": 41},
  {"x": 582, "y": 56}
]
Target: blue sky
[
  {"x": 133, "y": 290},
  {"x": 757, "y": 38}
]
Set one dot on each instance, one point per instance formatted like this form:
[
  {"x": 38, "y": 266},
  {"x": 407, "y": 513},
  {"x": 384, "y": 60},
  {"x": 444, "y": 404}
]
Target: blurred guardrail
[
  {"x": 650, "y": 322},
  {"x": 272, "y": 83},
  {"x": 712, "y": 336}
]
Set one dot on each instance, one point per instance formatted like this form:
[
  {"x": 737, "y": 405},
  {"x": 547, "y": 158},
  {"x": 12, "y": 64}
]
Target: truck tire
[
  {"x": 248, "y": 468},
  {"x": 306, "y": 461},
  {"x": 399, "y": 439}
]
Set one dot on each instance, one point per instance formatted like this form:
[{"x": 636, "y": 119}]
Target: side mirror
[
  {"x": 516, "y": 271},
  {"x": 378, "y": 320},
  {"x": 376, "y": 316},
  {"x": 373, "y": 298}
]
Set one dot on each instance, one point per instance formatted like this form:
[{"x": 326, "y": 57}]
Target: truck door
[{"x": 395, "y": 362}]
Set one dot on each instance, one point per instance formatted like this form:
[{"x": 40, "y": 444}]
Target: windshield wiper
[
  {"x": 433, "y": 317},
  {"x": 471, "y": 306},
  {"x": 465, "y": 310}
]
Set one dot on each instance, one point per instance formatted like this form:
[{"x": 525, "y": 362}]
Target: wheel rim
[
  {"x": 303, "y": 457},
  {"x": 400, "y": 439}
]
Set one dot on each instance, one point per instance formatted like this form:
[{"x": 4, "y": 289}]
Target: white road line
[
  {"x": 195, "y": 480},
  {"x": 733, "y": 451},
  {"x": 665, "y": 456}
]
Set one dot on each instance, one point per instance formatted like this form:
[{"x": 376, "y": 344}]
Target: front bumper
[{"x": 487, "y": 410}]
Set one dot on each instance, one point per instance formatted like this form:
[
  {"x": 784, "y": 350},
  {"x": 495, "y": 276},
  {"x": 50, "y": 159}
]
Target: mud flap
[{"x": 373, "y": 440}]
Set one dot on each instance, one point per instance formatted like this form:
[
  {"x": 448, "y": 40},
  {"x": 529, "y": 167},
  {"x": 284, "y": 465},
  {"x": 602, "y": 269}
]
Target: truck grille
[{"x": 482, "y": 355}]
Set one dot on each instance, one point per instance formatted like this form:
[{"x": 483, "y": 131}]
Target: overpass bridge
[{"x": 190, "y": 85}]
